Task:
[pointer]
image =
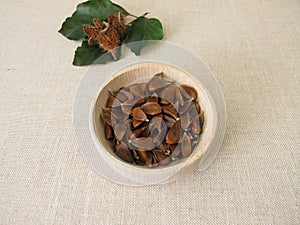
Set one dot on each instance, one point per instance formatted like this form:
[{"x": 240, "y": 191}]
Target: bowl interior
[{"x": 143, "y": 73}]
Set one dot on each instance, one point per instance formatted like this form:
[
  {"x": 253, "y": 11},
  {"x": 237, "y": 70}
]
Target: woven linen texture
[{"x": 253, "y": 49}]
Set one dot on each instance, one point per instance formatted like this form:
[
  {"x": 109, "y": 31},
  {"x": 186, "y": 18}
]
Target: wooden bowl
[{"x": 144, "y": 175}]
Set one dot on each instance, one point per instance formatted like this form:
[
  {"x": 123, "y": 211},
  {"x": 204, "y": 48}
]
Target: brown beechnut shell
[
  {"x": 124, "y": 96},
  {"x": 179, "y": 97},
  {"x": 186, "y": 147},
  {"x": 106, "y": 117},
  {"x": 140, "y": 132},
  {"x": 110, "y": 101},
  {"x": 152, "y": 124},
  {"x": 157, "y": 82},
  {"x": 120, "y": 130},
  {"x": 151, "y": 108},
  {"x": 108, "y": 131},
  {"x": 136, "y": 123},
  {"x": 170, "y": 111},
  {"x": 186, "y": 121},
  {"x": 156, "y": 123},
  {"x": 189, "y": 92},
  {"x": 173, "y": 135},
  {"x": 138, "y": 114},
  {"x": 123, "y": 152},
  {"x": 160, "y": 156},
  {"x": 168, "y": 94},
  {"x": 115, "y": 113},
  {"x": 145, "y": 157},
  {"x": 153, "y": 98},
  {"x": 137, "y": 91},
  {"x": 145, "y": 143}
]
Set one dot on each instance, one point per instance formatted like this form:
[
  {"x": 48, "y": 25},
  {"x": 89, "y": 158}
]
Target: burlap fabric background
[{"x": 253, "y": 47}]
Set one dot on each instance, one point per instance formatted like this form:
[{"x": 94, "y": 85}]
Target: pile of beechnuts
[{"x": 154, "y": 123}]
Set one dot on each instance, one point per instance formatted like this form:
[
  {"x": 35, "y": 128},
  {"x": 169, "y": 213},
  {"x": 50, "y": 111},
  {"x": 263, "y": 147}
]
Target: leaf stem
[
  {"x": 136, "y": 17},
  {"x": 145, "y": 14}
]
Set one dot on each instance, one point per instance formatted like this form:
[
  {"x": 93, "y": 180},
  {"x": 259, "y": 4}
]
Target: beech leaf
[
  {"x": 143, "y": 29},
  {"x": 84, "y": 14},
  {"x": 87, "y": 55}
]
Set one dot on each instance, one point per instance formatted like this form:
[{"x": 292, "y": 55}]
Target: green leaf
[
  {"x": 84, "y": 14},
  {"x": 87, "y": 55},
  {"x": 143, "y": 29}
]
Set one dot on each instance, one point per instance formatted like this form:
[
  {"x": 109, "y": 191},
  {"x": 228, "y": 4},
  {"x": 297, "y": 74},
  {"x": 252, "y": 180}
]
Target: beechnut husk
[{"x": 155, "y": 123}]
